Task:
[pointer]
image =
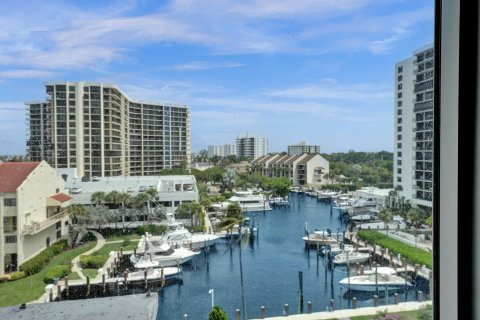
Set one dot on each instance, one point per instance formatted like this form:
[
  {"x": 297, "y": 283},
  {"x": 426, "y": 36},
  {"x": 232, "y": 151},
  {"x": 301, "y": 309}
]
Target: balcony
[{"x": 36, "y": 227}]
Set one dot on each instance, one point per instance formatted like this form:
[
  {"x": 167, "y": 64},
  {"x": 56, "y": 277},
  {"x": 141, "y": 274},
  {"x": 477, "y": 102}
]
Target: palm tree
[
  {"x": 385, "y": 215},
  {"x": 139, "y": 202},
  {"x": 415, "y": 216},
  {"x": 97, "y": 197}
]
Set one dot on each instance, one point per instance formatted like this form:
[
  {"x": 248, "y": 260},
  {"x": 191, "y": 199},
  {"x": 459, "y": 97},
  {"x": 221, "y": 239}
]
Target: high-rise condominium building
[
  {"x": 97, "y": 129},
  {"x": 413, "y": 158},
  {"x": 252, "y": 147},
  {"x": 222, "y": 150},
  {"x": 301, "y": 148}
]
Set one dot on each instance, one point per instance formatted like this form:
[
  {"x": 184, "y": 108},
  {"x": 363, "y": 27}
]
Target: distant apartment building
[
  {"x": 32, "y": 211},
  {"x": 251, "y": 147},
  {"x": 222, "y": 150},
  {"x": 413, "y": 157},
  {"x": 302, "y": 148},
  {"x": 302, "y": 170},
  {"x": 97, "y": 129}
]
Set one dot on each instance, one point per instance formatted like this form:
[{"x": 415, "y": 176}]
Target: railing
[{"x": 36, "y": 227}]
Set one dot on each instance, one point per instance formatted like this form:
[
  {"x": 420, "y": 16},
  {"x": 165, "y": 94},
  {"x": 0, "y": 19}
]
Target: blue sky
[{"x": 320, "y": 71}]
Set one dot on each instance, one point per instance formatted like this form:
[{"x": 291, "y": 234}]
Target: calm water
[{"x": 271, "y": 265}]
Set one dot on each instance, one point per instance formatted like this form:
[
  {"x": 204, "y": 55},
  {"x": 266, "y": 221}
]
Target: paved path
[{"x": 76, "y": 267}]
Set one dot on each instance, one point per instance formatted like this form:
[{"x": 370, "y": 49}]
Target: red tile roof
[
  {"x": 61, "y": 197},
  {"x": 12, "y": 174}
]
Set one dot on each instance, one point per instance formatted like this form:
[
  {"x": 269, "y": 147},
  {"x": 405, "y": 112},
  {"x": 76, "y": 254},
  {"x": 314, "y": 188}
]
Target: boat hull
[{"x": 373, "y": 287}]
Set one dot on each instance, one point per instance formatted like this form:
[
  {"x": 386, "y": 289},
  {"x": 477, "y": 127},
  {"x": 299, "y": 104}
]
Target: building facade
[
  {"x": 302, "y": 170},
  {"x": 222, "y": 150},
  {"x": 97, "y": 129},
  {"x": 252, "y": 147},
  {"x": 33, "y": 211},
  {"x": 413, "y": 157},
  {"x": 302, "y": 148}
]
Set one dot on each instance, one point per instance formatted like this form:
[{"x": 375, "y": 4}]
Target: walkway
[{"x": 76, "y": 267}]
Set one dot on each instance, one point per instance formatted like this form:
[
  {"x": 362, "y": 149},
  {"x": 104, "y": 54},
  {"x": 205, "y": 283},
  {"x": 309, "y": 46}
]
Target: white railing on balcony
[{"x": 36, "y": 227}]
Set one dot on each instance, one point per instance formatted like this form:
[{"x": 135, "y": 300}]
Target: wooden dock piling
[
  {"x": 237, "y": 314},
  {"x": 286, "y": 309},
  {"x": 309, "y": 307},
  {"x": 263, "y": 313},
  {"x": 354, "y": 303}
]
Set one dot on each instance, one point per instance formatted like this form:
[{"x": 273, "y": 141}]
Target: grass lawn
[
  {"x": 92, "y": 273},
  {"x": 410, "y": 253},
  {"x": 123, "y": 237},
  {"x": 108, "y": 247},
  {"x": 74, "y": 276},
  {"x": 32, "y": 287}
]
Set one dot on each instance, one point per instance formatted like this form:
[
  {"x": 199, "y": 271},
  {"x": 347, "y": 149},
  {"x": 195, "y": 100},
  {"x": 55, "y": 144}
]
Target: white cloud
[
  {"x": 26, "y": 74},
  {"x": 203, "y": 65}
]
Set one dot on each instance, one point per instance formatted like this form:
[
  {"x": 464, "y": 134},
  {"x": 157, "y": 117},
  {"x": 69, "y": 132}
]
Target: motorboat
[
  {"x": 166, "y": 255},
  {"x": 250, "y": 202},
  {"x": 179, "y": 236},
  {"x": 279, "y": 201},
  {"x": 348, "y": 257},
  {"x": 336, "y": 248},
  {"x": 372, "y": 282},
  {"x": 383, "y": 270},
  {"x": 151, "y": 273},
  {"x": 327, "y": 195},
  {"x": 319, "y": 238}
]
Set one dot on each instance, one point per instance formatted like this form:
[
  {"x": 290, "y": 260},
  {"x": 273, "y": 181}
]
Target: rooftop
[{"x": 12, "y": 174}]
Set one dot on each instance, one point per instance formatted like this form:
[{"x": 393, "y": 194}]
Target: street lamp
[{"x": 212, "y": 292}]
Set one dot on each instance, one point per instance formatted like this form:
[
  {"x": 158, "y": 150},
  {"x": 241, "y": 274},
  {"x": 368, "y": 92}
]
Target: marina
[{"x": 271, "y": 265}]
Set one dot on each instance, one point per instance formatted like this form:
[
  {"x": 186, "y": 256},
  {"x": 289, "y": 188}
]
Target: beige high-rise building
[{"x": 99, "y": 130}]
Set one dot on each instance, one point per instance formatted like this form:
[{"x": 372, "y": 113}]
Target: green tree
[
  {"x": 189, "y": 210},
  {"x": 281, "y": 186},
  {"x": 414, "y": 215},
  {"x": 386, "y": 216},
  {"x": 228, "y": 180},
  {"x": 217, "y": 313},
  {"x": 97, "y": 197}
]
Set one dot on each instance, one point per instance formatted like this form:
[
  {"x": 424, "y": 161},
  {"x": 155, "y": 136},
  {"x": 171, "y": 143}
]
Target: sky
[{"x": 319, "y": 71}]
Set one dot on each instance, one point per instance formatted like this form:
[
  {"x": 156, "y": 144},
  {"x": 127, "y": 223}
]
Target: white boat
[
  {"x": 143, "y": 262},
  {"x": 371, "y": 282},
  {"x": 319, "y": 238},
  {"x": 383, "y": 270},
  {"x": 336, "y": 248},
  {"x": 351, "y": 257},
  {"x": 179, "y": 236},
  {"x": 152, "y": 273},
  {"x": 250, "y": 202},
  {"x": 279, "y": 201},
  {"x": 166, "y": 255}
]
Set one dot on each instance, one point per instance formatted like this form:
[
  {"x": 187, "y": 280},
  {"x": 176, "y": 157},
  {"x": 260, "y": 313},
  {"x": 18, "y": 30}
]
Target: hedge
[
  {"x": 17, "y": 275},
  {"x": 37, "y": 263},
  {"x": 410, "y": 253},
  {"x": 92, "y": 262},
  {"x": 59, "y": 271}
]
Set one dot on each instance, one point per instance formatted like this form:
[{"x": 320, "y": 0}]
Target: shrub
[
  {"x": 17, "y": 275},
  {"x": 217, "y": 313},
  {"x": 4, "y": 278},
  {"x": 92, "y": 262},
  {"x": 59, "y": 271},
  {"x": 37, "y": 263},
  {"x": 89, "y": 237},
  {"x": 426, "y": 313}
]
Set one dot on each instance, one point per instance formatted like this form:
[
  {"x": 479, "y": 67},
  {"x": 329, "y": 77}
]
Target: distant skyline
[{"x": 315, "y": 71}]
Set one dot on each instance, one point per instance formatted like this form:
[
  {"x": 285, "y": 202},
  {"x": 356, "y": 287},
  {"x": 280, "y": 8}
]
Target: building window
[
  {"x": 399, "y": 128},
  {"x": 399, "y": 179},
  {"x": 10, "y": 202},
  {"x": 10, "y": 239},
  {"x": 399, "y": 112},
  {"x": 399, "y": 120},
  {"x": 399, "y": 78},
  {"x": 399, "y": 145},
  {"x": 399, "y": 137},
  {"x": 399, "y": 154},
  {"x": 399, "y": 95},
  {"x": 59, "y": 234},
  {"x": 58, "y": 225},
  {"x": 399, "y": 87},
  {"x": 400, "y": 69},
  {"x": 399, "y": 170},
  {"x": 399, "y": 103},
  {"x": 399, "y": 162}
]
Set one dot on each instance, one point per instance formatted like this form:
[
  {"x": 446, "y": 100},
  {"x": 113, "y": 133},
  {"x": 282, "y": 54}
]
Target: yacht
[
  {"x": 250, "y": 202},
  {"x": 279, "y": 201},
  {"x": 165, "y": 254},
  {"x": 371, "y": 282},
  {"x": 336, "y": 248},
  {"x": 179, "y": 236}
]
